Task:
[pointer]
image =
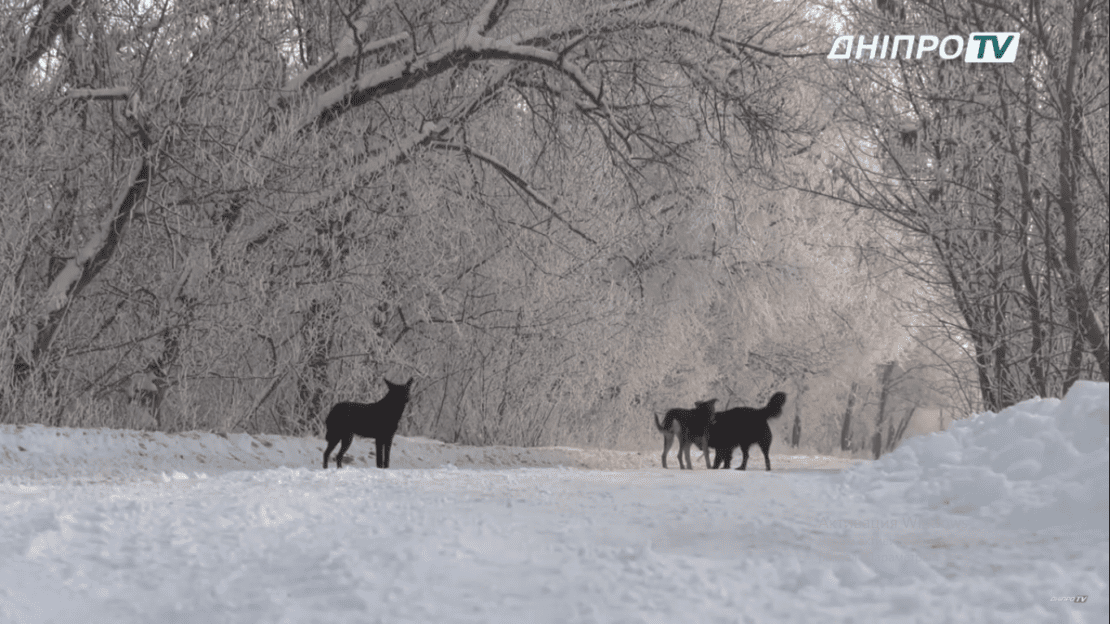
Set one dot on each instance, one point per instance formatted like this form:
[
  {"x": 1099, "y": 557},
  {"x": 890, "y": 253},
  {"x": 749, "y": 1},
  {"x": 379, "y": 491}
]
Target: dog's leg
[
  {"x": 744, "y": 464},
  {"x": 766, "y": 446},
  {"x": 383, "y": 448},
  {"x": 668, "y": 439},
  {"x": 327, "y": 451},
  {"x": 379, "y": 452},
  {"x": 678, "y": 429},
  {"x": 704, "y": 446},
  {"x": 343, "y": 449},
  {"x": 723, "y": 459},
  {"x": 686, "y": 444}
]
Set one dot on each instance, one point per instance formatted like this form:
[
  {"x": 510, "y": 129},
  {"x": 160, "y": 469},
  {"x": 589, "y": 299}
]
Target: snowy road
[
  {"x": 888, "y": 541},
  {"x": 537, "y": 545}
]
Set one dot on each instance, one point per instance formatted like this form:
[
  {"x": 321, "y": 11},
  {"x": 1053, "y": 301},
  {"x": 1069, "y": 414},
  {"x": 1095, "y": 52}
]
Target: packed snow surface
[{"x": 1003, "y": 518}]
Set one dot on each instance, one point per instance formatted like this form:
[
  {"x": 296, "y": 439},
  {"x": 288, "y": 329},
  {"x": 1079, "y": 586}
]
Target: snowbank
[{"x": 1040, "y": 463}]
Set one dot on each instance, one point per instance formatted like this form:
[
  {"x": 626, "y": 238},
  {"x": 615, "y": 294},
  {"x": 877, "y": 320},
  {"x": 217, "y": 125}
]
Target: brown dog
[{"x": 691, "y": 427}]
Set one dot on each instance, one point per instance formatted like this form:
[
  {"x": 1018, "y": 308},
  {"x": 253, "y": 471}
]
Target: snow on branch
[
  {"x": 514, "y": 178},
  {"x": 111, "y": 93},
  {"x": 470, "y": 45},
  {"x": 402, "y": 74},
  {"x": 488, "y": 17},
  {"x": 546, "y": 46},
  {"x": 730, "y": 46},
  {"x": 358, "y": 176},
  {"x": 347, "y": 51}
]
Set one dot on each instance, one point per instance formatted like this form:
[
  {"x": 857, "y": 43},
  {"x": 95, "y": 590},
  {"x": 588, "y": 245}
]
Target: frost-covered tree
[
  {"x": 229, "y": 214},
  {"x": 996, "y": 174}
]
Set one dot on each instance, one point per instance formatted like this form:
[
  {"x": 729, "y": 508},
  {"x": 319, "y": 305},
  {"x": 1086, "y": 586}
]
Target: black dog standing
[
  {"x": 743, "y": 427},
  {"x": 369, "y": 420},
  {"x": 690, "y": 427}
]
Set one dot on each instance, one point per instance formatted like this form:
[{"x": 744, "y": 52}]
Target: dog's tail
[
  {"x": 774, "y": 406},
  {"x": 659, "y": 425}
]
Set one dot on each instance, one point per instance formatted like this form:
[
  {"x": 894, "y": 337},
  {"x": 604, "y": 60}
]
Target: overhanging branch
[{"x": 514, "y": 179}]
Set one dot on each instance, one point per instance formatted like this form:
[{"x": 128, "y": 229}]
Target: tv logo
[
  {"x": 981, "y": 47},
  {"x": 992, "y": 47}
]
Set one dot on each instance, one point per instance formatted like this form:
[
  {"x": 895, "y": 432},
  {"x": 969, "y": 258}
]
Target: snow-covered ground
[{"x": 1003, "y": 518}]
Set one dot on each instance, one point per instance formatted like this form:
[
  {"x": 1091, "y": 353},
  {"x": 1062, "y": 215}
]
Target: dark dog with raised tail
[
  {"x": 690, "y": 427},
  {"x": 743, "y": 427},
  {"x": 369, "y": 420}
]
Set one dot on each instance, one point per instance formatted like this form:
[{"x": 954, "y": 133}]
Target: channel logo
[
  {"x": 997, "y": 47},
  {"x": 980, "y": 47}
]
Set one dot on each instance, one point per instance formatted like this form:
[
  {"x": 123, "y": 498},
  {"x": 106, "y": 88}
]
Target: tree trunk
[
  {"x": 877, "y": 439},
  {"x": 846, "y": 426},
  {"x": 83, "y": 268},
  {"x": 1070, "y": 139}
]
